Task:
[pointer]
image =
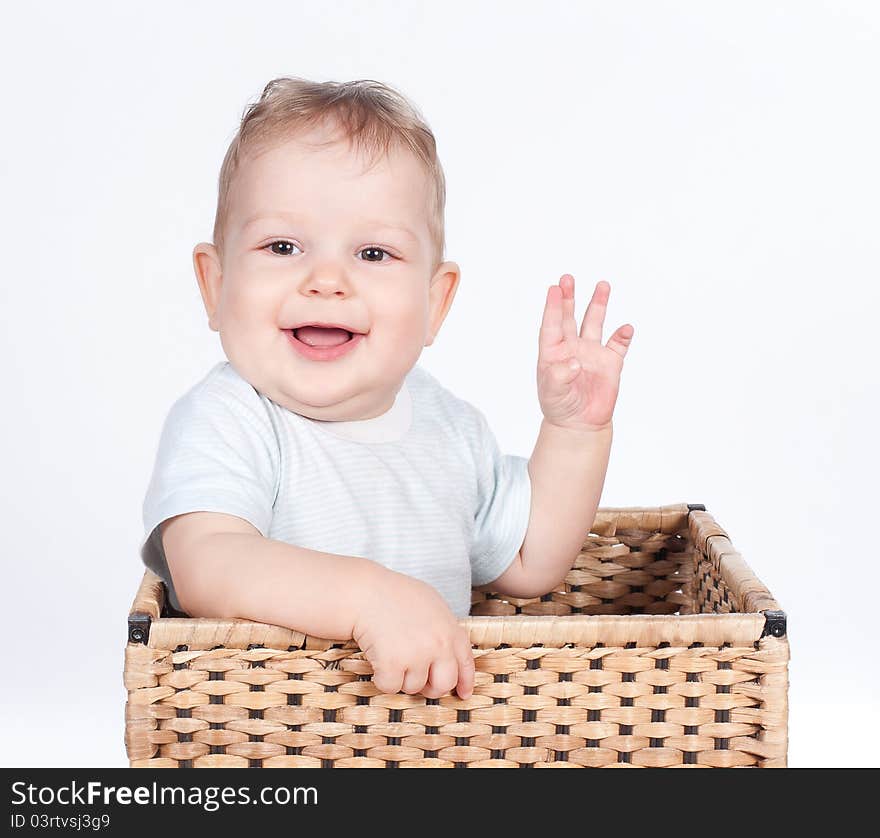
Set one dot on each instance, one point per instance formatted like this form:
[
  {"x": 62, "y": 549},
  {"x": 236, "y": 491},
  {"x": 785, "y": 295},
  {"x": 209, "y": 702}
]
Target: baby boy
[{"x": 320, "y": 479}]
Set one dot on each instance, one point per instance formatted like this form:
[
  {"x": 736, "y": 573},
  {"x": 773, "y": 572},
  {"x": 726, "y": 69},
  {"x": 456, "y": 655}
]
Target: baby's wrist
[
  {"x": 378, "y": 587},
  {"x": 386, "y": 590},
  {"x": 577, "y": 434},
  {"x": 385, "y": 586}
]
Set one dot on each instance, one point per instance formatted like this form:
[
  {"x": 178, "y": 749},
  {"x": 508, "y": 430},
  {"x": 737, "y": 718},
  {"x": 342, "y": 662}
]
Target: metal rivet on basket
[
  {"x": 774, "y": 624},
  {"x": 138, "y": 627}
]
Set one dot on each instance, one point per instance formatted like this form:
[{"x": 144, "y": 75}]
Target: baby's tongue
[{"x": 320, "y": 336}]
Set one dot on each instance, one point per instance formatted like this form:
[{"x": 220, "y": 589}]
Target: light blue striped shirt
[{"x": 422, "y": 489}]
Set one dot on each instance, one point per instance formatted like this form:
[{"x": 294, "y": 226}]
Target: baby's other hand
[
  {"x": 578, "y": 377},
  {"x": 413, "y": 641}
]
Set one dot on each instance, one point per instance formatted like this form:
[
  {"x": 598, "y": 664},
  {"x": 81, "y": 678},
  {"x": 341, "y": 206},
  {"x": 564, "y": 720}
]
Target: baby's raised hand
[
  {"x": 413, "y": 641},
  {"x": 578, "y": 378}
]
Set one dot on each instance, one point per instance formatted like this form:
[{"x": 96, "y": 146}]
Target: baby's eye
[
  {"x": 377, "y": 251},
  {"x": 285, "y": 251}
]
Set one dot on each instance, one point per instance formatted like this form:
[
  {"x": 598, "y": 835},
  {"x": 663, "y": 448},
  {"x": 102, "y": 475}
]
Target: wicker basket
[{"x": 662, "y": 648}]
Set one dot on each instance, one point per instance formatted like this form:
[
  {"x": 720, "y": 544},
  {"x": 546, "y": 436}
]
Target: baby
[{"x": 320, "y": 479}]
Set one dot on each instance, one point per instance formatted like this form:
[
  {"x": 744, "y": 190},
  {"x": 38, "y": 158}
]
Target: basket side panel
[
  {"x": 775, "y": 655},
  {"x": 638, "y": 561},
  {"x": 140, "y": 678},
  {"x": 544, "y": 707},
  {"x": 723, "y": 579}
]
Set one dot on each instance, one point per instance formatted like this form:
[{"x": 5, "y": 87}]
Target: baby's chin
[{"x": 323, "y": 405}]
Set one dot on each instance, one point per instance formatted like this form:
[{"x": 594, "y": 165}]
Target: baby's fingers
[
  {"x": 444, "y": 674},
  {"x": 466, "y": 668},
  {"x": 388, "y": 679},
  {"x": 591, "y": 328},
  {"x": 556, "y": 377},
  {"x": 551, "y": 333},
  {"x": 415, "y": 678},
  {"x": 621, "y": 339}
]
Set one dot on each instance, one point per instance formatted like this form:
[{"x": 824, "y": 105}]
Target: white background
[{"x": 717, "y": 163}]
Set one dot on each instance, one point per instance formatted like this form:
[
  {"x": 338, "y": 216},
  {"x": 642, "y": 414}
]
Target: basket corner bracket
[
  {"x": 139, "y": 627},
  {"x": 775, "y": 624}
]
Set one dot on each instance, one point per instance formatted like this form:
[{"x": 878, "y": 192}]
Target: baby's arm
[
  {"x": 224, "y": 567},
  {"x": 567, "y": 471}
]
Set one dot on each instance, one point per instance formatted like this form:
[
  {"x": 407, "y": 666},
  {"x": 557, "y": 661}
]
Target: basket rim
[{"x": 516, "y": 631}]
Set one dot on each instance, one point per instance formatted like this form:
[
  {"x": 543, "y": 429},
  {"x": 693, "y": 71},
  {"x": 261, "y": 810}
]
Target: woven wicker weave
[{"x": 662, "y": 648}]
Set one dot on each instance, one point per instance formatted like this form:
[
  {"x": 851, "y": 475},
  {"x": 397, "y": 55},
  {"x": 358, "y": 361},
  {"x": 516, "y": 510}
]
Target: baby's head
[{"x": 330, "y": 211}]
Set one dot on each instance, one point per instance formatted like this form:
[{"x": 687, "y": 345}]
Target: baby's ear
[
  {"x": 441, "y": 292},
  {"x": 209, "y": 275}
]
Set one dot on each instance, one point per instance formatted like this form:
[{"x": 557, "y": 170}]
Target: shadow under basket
[{"x": 661, "y": 648}]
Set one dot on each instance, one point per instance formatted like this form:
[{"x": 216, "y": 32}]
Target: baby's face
[{"x": 313, "y": 238}]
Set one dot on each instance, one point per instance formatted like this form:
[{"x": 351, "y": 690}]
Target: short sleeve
[
  {"x": 501, "y": 518},
  {"x": 217, "y": 452}
]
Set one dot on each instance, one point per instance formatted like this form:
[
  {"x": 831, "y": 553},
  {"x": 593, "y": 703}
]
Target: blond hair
[{"x": 371, "y": 115}]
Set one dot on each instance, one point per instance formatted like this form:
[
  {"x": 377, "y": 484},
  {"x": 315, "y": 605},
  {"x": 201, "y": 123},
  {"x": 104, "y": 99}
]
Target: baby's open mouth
[
  {"x": 323, "y": 342},
  {"x": 321, "y": 336}
]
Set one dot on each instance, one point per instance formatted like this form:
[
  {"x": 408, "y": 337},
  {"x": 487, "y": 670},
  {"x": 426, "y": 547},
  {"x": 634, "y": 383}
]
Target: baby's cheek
[
  {"x": 252, "y": 292},
  {"x": 407, "y": 342},
  {"x": 251, "y": 309},
  {"x": 406, "y": 315}
]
